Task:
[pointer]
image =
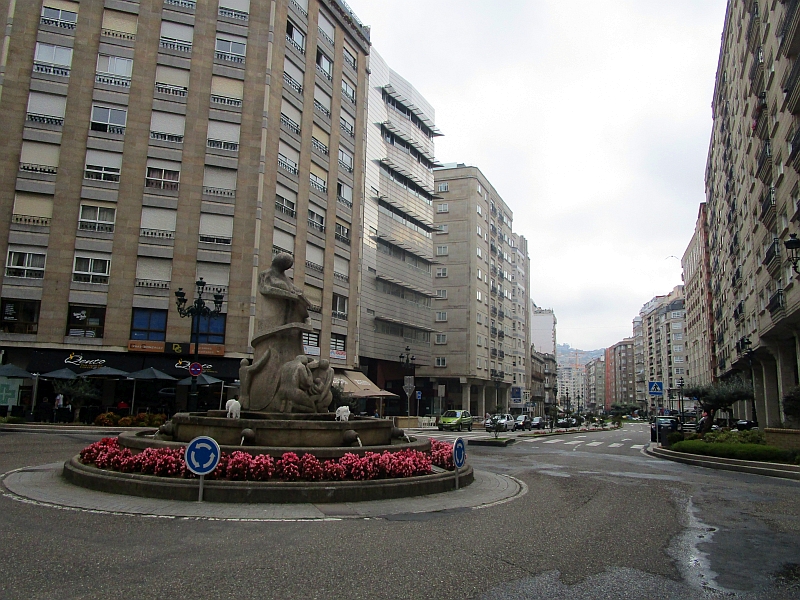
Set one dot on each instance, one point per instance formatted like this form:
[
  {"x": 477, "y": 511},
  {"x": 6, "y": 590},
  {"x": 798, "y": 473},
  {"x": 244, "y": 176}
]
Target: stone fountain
[{"x": 285, "y": 399}]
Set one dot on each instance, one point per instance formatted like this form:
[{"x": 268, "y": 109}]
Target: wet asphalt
[{"x": 600, "y": 520}]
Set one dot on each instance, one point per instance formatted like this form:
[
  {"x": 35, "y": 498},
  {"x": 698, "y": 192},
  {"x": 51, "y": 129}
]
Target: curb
[
  {"x": 61, "y": 429},
  {"x": 726, "y": 464}
]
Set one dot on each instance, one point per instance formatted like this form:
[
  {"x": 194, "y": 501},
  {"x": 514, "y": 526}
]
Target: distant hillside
[{"x": 567, "y": 355}]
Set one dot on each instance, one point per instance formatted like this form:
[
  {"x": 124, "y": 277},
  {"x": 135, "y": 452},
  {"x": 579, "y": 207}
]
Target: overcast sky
[{"x": 591, "y": 119}]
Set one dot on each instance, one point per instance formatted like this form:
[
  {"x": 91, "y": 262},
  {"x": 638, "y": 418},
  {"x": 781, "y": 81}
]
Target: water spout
[
  {"x": 242, "y": 442},
  {"x": 358, "y": 439},
  {"x": 408, "y": 439}
]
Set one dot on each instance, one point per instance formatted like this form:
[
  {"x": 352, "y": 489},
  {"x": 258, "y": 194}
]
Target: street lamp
[
  {"x": 680, "y": 399},
  {"x": 407, "y": 360},
  {"x": 497, "y": 377},
  {"x": 743, "y": 345},
  {"x": 793, "y": 250},
  {"x": 196, "y": 310}
]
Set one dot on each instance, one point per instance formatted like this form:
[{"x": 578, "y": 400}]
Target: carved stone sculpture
[{"x": 282, "y": 378}]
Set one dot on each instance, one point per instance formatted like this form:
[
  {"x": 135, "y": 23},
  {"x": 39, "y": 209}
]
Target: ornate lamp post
[
  {"x": 407, "y": 360},
  {"x": 680, "y": 399},
  {"x": 793, "y": 250},
  {"x": 497, "y": 377},
  {"x": 743, "y": 345},
  {"x": 196, "y": 310}
]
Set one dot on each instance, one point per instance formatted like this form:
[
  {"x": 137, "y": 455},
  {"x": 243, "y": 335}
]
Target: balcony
[
  {"x": 342, "y": 238},
  {"x": 292, "y": 83},
  {"x": 319, "y": 146},
  {"x": 45, "y": 119},
  {"x": 791, "y": 89},
  {"x": 218, "y": 192},
  {"x": 493, "y": 331},
  {"x": 175, "y": 45},
  {"x": 40, "y": 169},
  {"x": 314, "y": 266},
  {"x": 287, "y": 165},
  {"x": 736, "y": 279},
  {"x": 289, "y": 124},
  {"x": 156, "y": 234},
  {"x": 190, "y": 4},
  {"x": 152, "y": 284},
  {"x": 494, "y": 311},
  {"x": 344, "y": 201},
  {"x": 49, "y": 69},
  {"x": 738, "y": 312},
  {"x": 776, "y": 302},
  {"x": 346, "y": 127},
  {"x": 171, "y": 90},
  {"x": 166, "y": 137},
  {"x": 773, "y": 254},
  {"x": 321, "y": 109},
  {"x": 223, "y": 145},
  {"x": 757, "y": 71},
  {"x": 751, "y": 35},
  {"x": 502, "y": 354},
  {"x": 764, "y": 168},
  {"x": 229, "y": 13},
  {"x": 767, "y": 215},
  {"x": 111, "y": 79},
  {"x": 30, "y": 220},
  {"x": 501, "y": 333},
  {"x": 794, "y": 149},
  {"x": 501, "y": 315},
  {"x": 324, "y": 73},
  {"x": 789, "y": 30},
  {"x": 337, "y": 314},
  {"x": 226, "y": 101},
  {"x": 229, "y": 57},
  {"x": 279, "y": 250},
  {"x": 296, "y": 5},
  {"x": 316, "y": 225},
  {"x": 282, "y": 208},
  {"x": 292, "y": 42},
  {"x": 493, "y": 353}
]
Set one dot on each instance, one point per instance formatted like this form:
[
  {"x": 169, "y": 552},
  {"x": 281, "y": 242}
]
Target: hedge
[{"x": 756, "y": 452}]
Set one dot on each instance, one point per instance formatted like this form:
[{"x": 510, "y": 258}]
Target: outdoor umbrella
[
  {"x": 60, "y": 374},
  {"x": 104, "y": 372},
  {"x": 149, "y": 374},
  {"x": 15, "y": 371},
  {"x": 202, "y": 379}
]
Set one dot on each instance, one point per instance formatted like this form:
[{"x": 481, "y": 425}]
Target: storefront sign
[
  {"x": 9, "y": 391},
  {"x": 84, "y": 363},
  {"x": 185, "y": 348},
  {"x": 139, "y": 346},
  {"x": 311, "y": 350},
  {"x": 339, "y": 354}
]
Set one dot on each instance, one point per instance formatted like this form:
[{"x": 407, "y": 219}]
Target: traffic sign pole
[
  {"x": 459, "y": 456},
  {"x": 202, "y": 456},
  {"x": 200, "y": 494}
]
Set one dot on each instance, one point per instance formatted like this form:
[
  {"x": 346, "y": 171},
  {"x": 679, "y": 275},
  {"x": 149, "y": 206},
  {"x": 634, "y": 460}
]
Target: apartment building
[
  {"x": 481, "y": 303},
  {"x": 397, "y": 292},
  {"x": 639, "y": 370},
  {"x": 752, "y": 194},
  {"x": 543, "y": 328},
  {"x": 698, "y": 342},
  {"x": 153, "y": 143},
  {"x": 595, "y": 392},
  {"x": 619, "y": 374}
]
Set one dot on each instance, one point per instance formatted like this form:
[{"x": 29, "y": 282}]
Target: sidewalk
[
  {"x": 784, "y": 471},
  {"x": 62, "y": 428}
]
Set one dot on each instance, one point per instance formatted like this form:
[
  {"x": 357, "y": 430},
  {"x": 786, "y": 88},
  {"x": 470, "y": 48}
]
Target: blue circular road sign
[
  {"x": 202, "y": 455},
  {"x": 459, "y": 453}
]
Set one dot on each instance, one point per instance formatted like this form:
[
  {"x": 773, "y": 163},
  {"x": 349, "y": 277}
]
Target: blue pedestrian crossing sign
[
  {"x": 202, "y": 455},
  {"x": 655, "y": 388}
]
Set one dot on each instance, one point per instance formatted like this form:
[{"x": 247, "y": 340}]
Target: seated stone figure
[{"x": 295, "y": 382}]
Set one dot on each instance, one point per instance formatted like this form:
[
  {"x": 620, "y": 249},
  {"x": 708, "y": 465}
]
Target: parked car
[
  {"x": 744, "y": 425},
  {"x": 701, "y": 424},
  {"x": 538, "y": 422},
  {"x": 504, "y": 422},
  {"x": 523, "y": 422},
  {"x": 568, "y": 422},
  {"x": 455, "y": 420},
  {"x": 672, "y": 423}
]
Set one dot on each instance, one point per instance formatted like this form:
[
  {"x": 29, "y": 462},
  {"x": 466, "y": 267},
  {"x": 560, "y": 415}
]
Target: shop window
[
  {"x": 211, "y": 329},
  {"x": 149, "y": 324},
  {"x": 86, "y": 321},
  {"x": 19, "y": 316}
]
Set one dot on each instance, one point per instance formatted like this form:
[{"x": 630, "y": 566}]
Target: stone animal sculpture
[
  {"x": 234, "y": 408},
  {"x": 343, "y": 413}
]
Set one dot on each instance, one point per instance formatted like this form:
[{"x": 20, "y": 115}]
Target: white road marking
[
  {"x": 623, "y": 439},
  {"x": 552, "y": 441},
  {"x": 595, "y": 444},
  {"x": 566, "y": 444},
  {"x": 637, "y": 446},
  {"x": 614, "y": 445}
]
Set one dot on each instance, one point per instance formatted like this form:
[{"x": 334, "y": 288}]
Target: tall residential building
[
  {"x": 752, "y": 197},
  {"x": 481, "y": 301},
  {"x": 663, "y": 327},
  {"x": 397, "y": 293},
  {"x": 595, "y": 393},
  {"x": 620, "y": 365},
  {"x": 699, "y": 339},
  {"x": 149, "y": 144},
  {"x": 543, "y": 328},
  {"x": 571, "y": 385},
  {"x": 639, "y": 368}
]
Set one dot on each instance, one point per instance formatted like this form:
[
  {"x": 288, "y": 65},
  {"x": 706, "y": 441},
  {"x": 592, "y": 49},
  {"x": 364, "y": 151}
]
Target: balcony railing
[
  {"x": 347, "y": 128},
  {"x": 152, "y": 284},
  {"x": 345, "y": 166},
  {"x": 173, "y": 44},
  {"x": 314, "y": 266},
  {"x": 279, "y": 250},
  {"x": 96, "y": 226},
  {"x": 285, "y": 164},
  {"x": 48, "y": 69},
  {"x": 320, "y": 187},
  {"x": 292, "y": 83},
  {"x": 30, "y": 220},
  {"x": 776, "y": 302},
  {"x": 109, "y": 79},
  {"x": 229, "y": 57},
  {"x": 764, "y": 156},
  {"x": 158, "y": 234},
  {"x": 325, "y": 36},
  {"x": 45, "y": 119},
  {"x": 219, "y": 192},
  {"x": 182, "y": 3},
  {"x": 319, "y": 146},
  {"x": 292, "y": 42},
  {"x": 341, "y": 276},
  {"x": 223, "y": 145},
  {"x": 795, "y": 143},
  {"x": 493, "y": 330},
  {"x": 773, "y": 252},
  {"x": 63, "y": 24},
  {"x": 324, "y": 73},
  {"x": 172, "y": 90},
  {"x": 342, "y": 238},
  {"x": 226, "y": 101},
  {"x": 337, "y": 314},
  {"x": 34, "y": 168},
  {"x": 282, "y": 208},
  {"x": 768, "y": 205},
  {"x": 344, "y": 201},
  {"x": 318, "y": 106},
  {"x": 230, "y": 13},
  {"x": 213, "y": 239},
  {"x": 119, "y": 35},
  {"x": 316, "y": 225},
  {"x": 290, "y": 124},
  {"x": 32, "y": 273},
  {"x": 166, "y": 137}
]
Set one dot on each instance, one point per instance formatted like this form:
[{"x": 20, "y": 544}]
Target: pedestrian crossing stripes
[
  {"x": 572, "y": 443},
  {"x": 595, "y": 444},
  {"x": 637, "y": 446},
  {"x": 552, "y": 441},
  {"x": 614, "y": 445}
]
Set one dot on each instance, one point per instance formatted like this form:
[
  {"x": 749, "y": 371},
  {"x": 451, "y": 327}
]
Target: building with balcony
[
  {"x": 752, "y": 205},
  {"x": 481, "y": 269},
  {"x": 193, "y": 149},
  {"x": 619, "y": 374},
  {"x": 595, "y": 392},
  {"x": 397, "y": 298}
]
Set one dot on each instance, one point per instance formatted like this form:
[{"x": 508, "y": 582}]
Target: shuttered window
[
  {"x": 319, "y": 178},
  {"x": 315, "y": 255},
  {"x": 39, "y": 157},
  {"x": 282, "y": 241},
  {"x": 293, "y": 71},
  {"x": 167, "y": 126},
  {"x": 171, "y": 76},
  {"x": 154, "y": 269},
  {"x": 177, "y": 31},
  {"x": 158, "y": 220},
  {"x": 218, "y": 181},
  {"x": 341, "y": 265},
  {"x": 313, "y": 294},
  {"x": 321, "y": 135},
  {"x": 294, "y": 116},
  {"x": 227, "y": 87},
  {"x": 326, "y": 26},
  {"x": 48, "y": 105},
  {"x": 220, "y": 130},
  {"x": 32, "y": 209},
  {"x": 240, "y": 5},
  {"x": 115, "y": 20},
  {"x": 214, "y": 274},
  {"x": 216, "y": 229}
]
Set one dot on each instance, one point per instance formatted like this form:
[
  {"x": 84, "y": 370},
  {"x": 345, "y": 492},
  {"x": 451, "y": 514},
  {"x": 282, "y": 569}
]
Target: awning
[{"x": 358, "y": 385}]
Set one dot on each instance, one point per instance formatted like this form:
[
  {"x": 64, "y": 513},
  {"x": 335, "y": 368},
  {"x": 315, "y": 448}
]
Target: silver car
[{"x": 505, "y": 422}]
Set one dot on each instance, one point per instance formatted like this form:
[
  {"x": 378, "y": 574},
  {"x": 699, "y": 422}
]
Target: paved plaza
[{"x": 584, "y": 515}]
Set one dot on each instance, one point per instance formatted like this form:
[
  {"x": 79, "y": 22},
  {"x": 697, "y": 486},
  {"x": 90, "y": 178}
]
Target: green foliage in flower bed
[
  {"x": 110, "y": 419},
  {"x": 735, "y": 437},
  {"x": 741, "y": 451}
]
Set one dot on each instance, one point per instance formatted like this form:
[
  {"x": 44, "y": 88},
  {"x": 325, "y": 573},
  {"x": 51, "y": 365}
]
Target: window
[
  {"x": 295, "y": 37},
  {"x": 24, "y": 263},
  {"x": 480, "y": 341},
  {"x": 676, "y": 314},
  {"x": 338, "y": 345},
  {"x": 677, "y": 359},
  {"x": 52, "y": 60},
  {"x": 344, "y": 194},
  {"x": 175, "y": 36},
  {"x": 211, "y": 329},
  {"x": 19, "y": 316},
  {"x": 442, "y": 208},
  {"x": 479, "y": 252},
  {"x": 59, "y": 17},
  {"x": 108, "y": 120},
  {"x": 480, "y": 231},
  {"x": 443, "y": 228},
  {"x": 324, "y": 65},
  {"x": 339, "y": 307},
  {"x": 173, "y": 82},
  {"x": 479, "y": 209},
  {"x": 162, "y": 175},
  {"x": 231, "y": 49},
  {"x": 223, "y": 136},
  {"x": 102, "y": 166},
  {"x": 441, "y": 338},
  {"x": 311, "y": 343},
  {"x": 441, "y": 361},
  {"x": 443, "y": 187},
  {"x": 88, "y": 269},
  {"x": 316, "y": 218},
  {"x": 345, "y": 160},
  {"x": 441, "y": 294},
  {"x": 216, "y": 229},
  {"x": 96, "y": 218},
  {"x": 46, "y": 108},
  {"x": 441, "y": 251},
  {"x": 114, "y": 70},
  {"x": 342, "y": 233},
  {"x": 167, "y": 127},
  {"x": 479, "y": 318},
  {"x": 348, "y": 91},
  {"x": 149, "y": 324},
  {"x": 677, "y": 336},
  {"x": 679, "y": 371},
  {"x": 441, "y": 271},
  {"x": 441, "y": 315},
  {"x": 86, "y": 321},
  {"x": 349, "y": 58},
  {"x": 677, "y": 348},
  {"x": 677, "y": 325}
]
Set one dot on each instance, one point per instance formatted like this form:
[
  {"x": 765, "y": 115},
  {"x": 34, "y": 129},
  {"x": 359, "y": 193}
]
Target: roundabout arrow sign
[
  {"x": 202, "y": 457},
  {"x": 459, "y": 455}
]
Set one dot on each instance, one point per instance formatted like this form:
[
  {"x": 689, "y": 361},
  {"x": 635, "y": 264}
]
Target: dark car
[
  {"x": 745, "y": 425},
  {"x": 538, "y": 422},
  {"x": 523, "y": 422},
  {"x": 668, "y": 424}
]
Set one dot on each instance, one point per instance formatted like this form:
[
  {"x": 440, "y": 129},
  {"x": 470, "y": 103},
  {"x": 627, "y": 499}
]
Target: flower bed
[
  {"x": 110, "y": 419},
  {"x": 241, "y": 466}
]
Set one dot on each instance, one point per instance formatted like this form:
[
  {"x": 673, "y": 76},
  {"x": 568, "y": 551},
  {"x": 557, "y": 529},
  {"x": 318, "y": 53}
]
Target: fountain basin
[{"x": 280, "y": 430}]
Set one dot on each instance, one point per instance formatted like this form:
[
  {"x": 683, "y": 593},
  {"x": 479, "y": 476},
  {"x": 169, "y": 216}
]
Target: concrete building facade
[
  {"x": 543, "y": 328},
  {"x": 152, "y": 143},
  {"x": 595, "y": 393},
  {"x": 620, "y": 361},
  {"x": 480, "y": 311}
]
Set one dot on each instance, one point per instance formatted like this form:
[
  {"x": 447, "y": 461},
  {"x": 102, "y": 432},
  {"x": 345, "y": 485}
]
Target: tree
[
  {"x": 718, "y": 396},
  {"x": 77, "y": 390},
  {"x": 791, "y": 404}
]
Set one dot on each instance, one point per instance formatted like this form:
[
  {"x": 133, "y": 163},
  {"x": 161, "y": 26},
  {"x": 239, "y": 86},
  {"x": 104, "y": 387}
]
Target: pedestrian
[{"x": 59, "y": 401}]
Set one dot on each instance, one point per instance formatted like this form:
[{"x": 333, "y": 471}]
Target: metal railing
[
  {"x": 153, "y": 284},
  {"x": 223, "y": 145},
  {"x": 345, "y": 166},
  {"x": 286, "y": 165},
  {"x": 347, "y": 128},
  {"x": 321, "y": 109},
  {"x": 109, "y": 79},
  {"x": 164, "y": 234},
  {"x": 279, "y": 250},
  {"x": 49, "y": 69},
  {"x": 292, "y": 83},
  {"x": 45, "y": 119},
  {"x": 183, "y": 3},
  {"x": 173, "y": 44},
  {"x": 314, "y": 266},
  {"x": 96, "y": 226},
  {"x": 166, "y": 137},
  {"x": 230, "y": 13},
  {"x": 31, "y": 220},
  {"x": 213, "y": 239},
  {"x": 34, "y": 168},
  {"x": 342, "y": 238},
  {"x": 229, "y": 56},
  {"x": 57, "y": 23},
  {"x": 292, "y": 42},
  {"x": 325, "y": 36},
  {"x": 337, "y": 314},
  {"x": 280, "y": 207},
  {"x": 773, "y": 252},
  {"x": 319, "y": 146},
  {"x": 290, "y": 124},
  {"x": 219, "y": 192},
  {"x": 119, "y": 35},
  {"x": 323, "y": 72},
  {"x": 226, "y": 100},
  {"x": 316, "y": 225},
  {"x": 172, "y": 90},
  {"x": 299, "y": 8},
  {"x": 344, "y": 201},
  {"x": 320, "y": 187},
  {"x": 341, "y": 276}
]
